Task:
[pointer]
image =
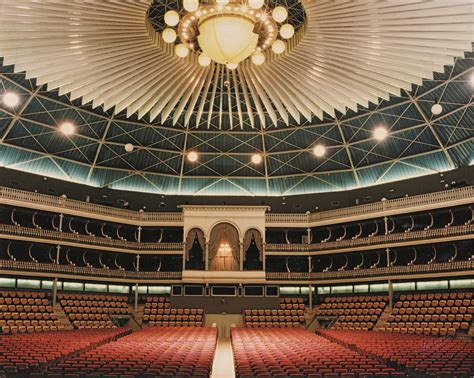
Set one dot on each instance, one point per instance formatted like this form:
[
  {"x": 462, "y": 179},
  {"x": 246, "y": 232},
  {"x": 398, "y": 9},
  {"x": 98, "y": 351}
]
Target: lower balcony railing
[
  {"x": 85, "y": 271},
  {"x": 455, "y": 266}
]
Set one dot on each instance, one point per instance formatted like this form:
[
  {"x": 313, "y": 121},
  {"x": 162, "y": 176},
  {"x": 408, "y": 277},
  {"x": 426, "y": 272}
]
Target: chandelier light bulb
[
  {"x": 193, "y": 156},
  {"x": 319, "y": 150},
  {"x": 380, "y": 133},
  {"x": 171, "y": 18},
  {"x": 280, "y": 14},
  {"x": 257, "y": 159},
  {"x": 191, "y": 5},
  {"x": 67, "y": 128},
  {"x": 181, "y": 50},
  {"x": 11, "y": 99},
  {"x": 232, "y": 66},
  {"x": 436, "y": 109},
  {"x": 204, "y": 60},
  {"x": 256, "y": 4},
  {"x": 287, "y": 31},
  {"x": 278, "y": 47},
  {"x": 258, "y": 58},
  {"x": 169, "y": 35}
]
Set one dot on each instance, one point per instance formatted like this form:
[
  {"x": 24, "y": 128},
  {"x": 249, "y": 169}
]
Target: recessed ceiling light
[
  {"x": 436, "y": 109},
  {"x": 67, "y": 128},
  {"x": 129, "y": 147},
  {"x": 257, "y": 159},
  {"x": 319, "y": 150},
  {"x": 193, "y": 156},
  {"x": 380, "y": 133},
  {"x": 11, "y": 99}
]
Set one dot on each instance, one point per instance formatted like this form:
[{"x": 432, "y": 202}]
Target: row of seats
[
  {"x": 292, "y": 304},
  {"x": 437, "y": 314},
  {"x": 23, "y": 353},
  {"x": 420, "y": 355},
  {"x": 93, "y": 310},
  {"x": 353, "y": 312},
  {"x": 150, "y": 352},
  {"x": 274, "y": 318},
  {"x": 298, "y": 353},
  {"x": 158, "y": 312},
  {"x": 26, "y": 311}
]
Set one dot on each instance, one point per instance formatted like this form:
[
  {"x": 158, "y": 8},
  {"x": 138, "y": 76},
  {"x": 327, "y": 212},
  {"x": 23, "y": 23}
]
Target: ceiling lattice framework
[{"x": 349, "y": 73}]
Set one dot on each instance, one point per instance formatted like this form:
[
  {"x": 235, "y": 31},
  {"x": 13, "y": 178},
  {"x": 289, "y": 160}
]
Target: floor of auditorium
[{"x": 223, "y": 365}]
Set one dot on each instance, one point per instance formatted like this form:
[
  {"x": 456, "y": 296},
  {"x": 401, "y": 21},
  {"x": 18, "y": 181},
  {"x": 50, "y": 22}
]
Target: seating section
[
  {"x": 150, "y": 352},
  {"x": 93, "y": 310},
  {"x": 274, "y": 318},
  {"x": 298, "y": 353},
  {"x": 26, "y": 311},
  {"x": 353, "y": 312},
  {"x": 158, "y": 312},
  {"x": 23, "y": 353},
  {"x": 420, "y": 355},
  {"x": 292, "y": 304},
  {"x": 437, "y": 314}
]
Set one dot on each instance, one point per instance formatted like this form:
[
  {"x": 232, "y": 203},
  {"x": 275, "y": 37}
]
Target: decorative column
[
  {"x": 241, "y": 255},
  {"x": 58, "y": 250},
  {"x": 390, "y": 285},
  {"x": 136, "y": 284},
  {"x": 206, "y": 265},
  {"x": 264, "y": 257}
]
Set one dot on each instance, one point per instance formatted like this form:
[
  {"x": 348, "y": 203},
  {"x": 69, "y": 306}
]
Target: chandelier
[{"x": 228, "y": 32}]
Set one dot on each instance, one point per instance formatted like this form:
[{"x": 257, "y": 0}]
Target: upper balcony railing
[
  {"x": 375, "y": 240},
  {"x": 455, "y": 266},
  {"x": 74, "y": 206},
  {"x": 85, "y": 271},
  {"x": 407, "y": 204},
  {"x": 112, "y": 244}
]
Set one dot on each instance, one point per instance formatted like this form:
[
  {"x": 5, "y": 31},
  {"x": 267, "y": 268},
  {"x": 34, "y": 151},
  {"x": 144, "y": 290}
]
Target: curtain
[
  {"x": 192, "y": 235},
  {"x": 220, "y": 259},
  {"x": 253, "y": 235}
]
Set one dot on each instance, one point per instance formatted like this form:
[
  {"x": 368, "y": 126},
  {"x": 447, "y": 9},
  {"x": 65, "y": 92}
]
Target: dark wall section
[
  {"x": 229, "y": 305},
  {"x": 294, "y": 204}
]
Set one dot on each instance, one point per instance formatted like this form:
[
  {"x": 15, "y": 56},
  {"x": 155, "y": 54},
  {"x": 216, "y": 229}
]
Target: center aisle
[{"x": 223, "y": 366}]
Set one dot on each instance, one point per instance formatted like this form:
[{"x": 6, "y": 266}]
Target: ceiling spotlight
[
  {"x": 192, "y": 156},
  {"x": 436, "y": 109},
  {"x": 11, "y": 99},
  {"x": 278, "y": 46},
  {"x": 319, "y": 150},
  {"x": 232, "y": 66},
  {"x": 67, "y": 128},
  {"x": 171, "y": 18},
  {"x": 257, "y": 159},
  {"x": 287, "y": 31},
  {"x": 191, "y": 5},
  {"x": 280, "y": 14},
  {"x": 204, "y": 60},
  {"x": 169, "y": 35},
  {"x": 256, "y": 4},
  {"x": 129, "y": 147},
  {"x": 380, "y": 133},
  {"x": 258, "y": 58},
  {"x": 181, "y": 50}
]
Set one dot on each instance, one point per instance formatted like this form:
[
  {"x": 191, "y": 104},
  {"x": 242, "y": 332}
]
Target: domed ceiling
[{"x": 137, "y": 110}]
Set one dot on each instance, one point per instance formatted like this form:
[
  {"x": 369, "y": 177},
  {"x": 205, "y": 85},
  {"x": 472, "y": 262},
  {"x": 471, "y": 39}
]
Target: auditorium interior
[{"x": 236, "y": 188}]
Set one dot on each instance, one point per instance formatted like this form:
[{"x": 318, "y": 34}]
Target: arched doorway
[
  {"x": 195, "y": 250},
  {"x": 253, "y": 250},
  {"x": 224, "y": 248}
]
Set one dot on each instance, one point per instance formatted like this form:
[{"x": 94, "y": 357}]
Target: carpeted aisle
[{"x": 223, "y": 366}]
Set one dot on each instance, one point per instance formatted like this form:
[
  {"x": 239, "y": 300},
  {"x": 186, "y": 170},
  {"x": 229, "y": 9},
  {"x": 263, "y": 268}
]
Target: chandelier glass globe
[
  {"x": 232, "y": 66},
  {"x": 204, "y": 60},
  {"x": 258, "y": 58},
  {"x": 287, "y": 31},
  {"x": 169, "y": 35},
  {"x": 218, "y": 40},
  {"x": 171, "y": 18},
  {"x": 280, "y": 14},
  {"x": 278, "y": 47},
  {"x": 181, "y": 50},
  {"x": 191, "y": 5},
  {"x": 256, "y": 4}
]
